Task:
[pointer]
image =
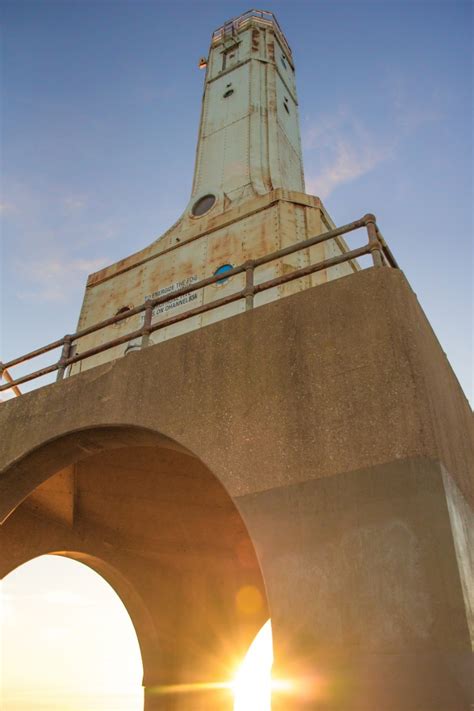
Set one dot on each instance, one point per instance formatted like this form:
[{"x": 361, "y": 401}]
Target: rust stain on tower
[{"x": 243, "y": 384}]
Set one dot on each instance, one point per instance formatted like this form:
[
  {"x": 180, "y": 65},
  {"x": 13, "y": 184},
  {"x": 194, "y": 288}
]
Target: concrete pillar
[
  {"x": 325, "y": 424},
  {"x": 364, "y": 590}
]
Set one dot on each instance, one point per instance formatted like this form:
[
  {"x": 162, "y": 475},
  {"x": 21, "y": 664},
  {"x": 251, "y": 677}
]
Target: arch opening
[
  {"x": 153, "y": 520},
  {"x": 68, "y": 640}
]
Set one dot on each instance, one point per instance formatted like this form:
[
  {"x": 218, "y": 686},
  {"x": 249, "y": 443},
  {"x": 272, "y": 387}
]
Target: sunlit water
[{"x": 67, "y": 643}]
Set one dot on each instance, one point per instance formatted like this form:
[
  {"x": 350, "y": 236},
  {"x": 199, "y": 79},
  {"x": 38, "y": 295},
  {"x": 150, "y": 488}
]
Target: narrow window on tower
[
  {"x": 228, "y": 90},
  {"x": 229, "y": 57},
  {"x": 122, "y": 310},
  {"x": 285, "y": 104}
]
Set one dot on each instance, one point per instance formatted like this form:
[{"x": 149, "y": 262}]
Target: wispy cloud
[
  {"x": 349, "y": 162},
  {"x": 347, "y": 148},
  {"x": 52, "y": 279},
  {"x": 6, "y": 208},
  {"x": 48, "y": 216},
  {"x": 409, "y": 114},
  {"x": 54, "y": 242},
  {"x": 73, "y": 203}
]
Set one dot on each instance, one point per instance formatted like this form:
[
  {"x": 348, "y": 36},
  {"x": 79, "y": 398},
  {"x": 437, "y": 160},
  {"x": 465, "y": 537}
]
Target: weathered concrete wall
[
  {"x": 193, "y": 250},
  {"x": 327, "y": 416},
  {"x": 377, "y": 618},
  {"x": 461, "y": 515},
  {"x": 249, "y": 135},
  {"x": 361, "y": 381}
]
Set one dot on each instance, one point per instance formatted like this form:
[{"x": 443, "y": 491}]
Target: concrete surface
[{"x": 317, "y": 449}]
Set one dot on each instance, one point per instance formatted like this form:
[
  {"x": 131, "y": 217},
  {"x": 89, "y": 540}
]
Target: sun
[{"x": 252, "y": 685}]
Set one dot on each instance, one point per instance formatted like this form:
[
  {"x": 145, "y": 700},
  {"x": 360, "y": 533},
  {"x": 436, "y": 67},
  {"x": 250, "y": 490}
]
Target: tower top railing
[
  {"x": 375, "y": 246},
  {"x": 264, "y": 17}
]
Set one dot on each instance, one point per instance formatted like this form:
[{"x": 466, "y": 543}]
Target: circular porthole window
[
  {"x": 203, "y": 205},
  {"x": 222, "y": 270},
  {"x": 119, "y": 312},
  {"x": 123, "y": 310}
]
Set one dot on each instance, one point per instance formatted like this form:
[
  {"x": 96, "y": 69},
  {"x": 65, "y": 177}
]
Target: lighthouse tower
[
  {"x": 247, "y": 198},
  {"x": 254, "y": 426},
  {"x": 249, "y": 137}
]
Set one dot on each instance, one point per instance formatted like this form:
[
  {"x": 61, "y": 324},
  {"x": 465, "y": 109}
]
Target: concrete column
[{"x": 364, "y": 590}]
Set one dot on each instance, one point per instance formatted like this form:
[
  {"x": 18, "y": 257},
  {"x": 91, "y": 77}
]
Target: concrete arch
[
  {"x": 152, "y": 519},
  {"x": 262, "y": 400},
  {"x": 22, "y": 475}
]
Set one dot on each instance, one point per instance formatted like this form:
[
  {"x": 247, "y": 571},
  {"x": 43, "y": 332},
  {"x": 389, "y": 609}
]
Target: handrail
[
  {"x": 376, "y": 246},
  {"x": 6, "y": 375},
  {"x": 265, "y": 16}
]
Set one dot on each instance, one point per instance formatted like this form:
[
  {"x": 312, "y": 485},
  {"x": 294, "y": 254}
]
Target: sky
[
  {"x": 99, "y": 120},
  {"x": 41, "y": 669}
]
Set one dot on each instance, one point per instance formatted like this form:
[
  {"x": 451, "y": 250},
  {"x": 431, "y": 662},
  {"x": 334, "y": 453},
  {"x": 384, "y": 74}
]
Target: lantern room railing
[
  {"x": 375, "y": 246},
  {"x": 264, "y": 17}
]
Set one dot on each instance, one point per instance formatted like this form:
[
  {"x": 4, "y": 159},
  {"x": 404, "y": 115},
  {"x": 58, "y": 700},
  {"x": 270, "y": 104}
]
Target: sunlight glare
[
  {"x": 252, "y": 685},
  {"x": 67, "y": 641}
]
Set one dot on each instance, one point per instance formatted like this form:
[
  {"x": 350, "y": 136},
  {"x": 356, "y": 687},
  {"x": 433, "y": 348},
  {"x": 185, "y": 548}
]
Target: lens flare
[
  {"x": 249, "y": 600},
  {"x": 167, "y": 689},
  {"x": 253, "y": 684}
]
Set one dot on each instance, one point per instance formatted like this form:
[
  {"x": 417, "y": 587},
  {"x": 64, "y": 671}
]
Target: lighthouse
[
  {"x": 247, "y": 200},
  {"x": 248, "y": 425}
]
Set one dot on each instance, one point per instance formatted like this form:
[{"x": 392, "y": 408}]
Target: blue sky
[{"x": 100, "y": 111}]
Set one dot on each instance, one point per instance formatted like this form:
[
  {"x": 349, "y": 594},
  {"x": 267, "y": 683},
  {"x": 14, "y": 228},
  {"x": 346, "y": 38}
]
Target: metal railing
[
  {"x": 375, "y": 246},
  {"x": 237, "y": 23},
  {"x": 6, "y": 376}
]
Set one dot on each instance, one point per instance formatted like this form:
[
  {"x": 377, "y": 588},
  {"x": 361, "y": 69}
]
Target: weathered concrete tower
[
  {"x": 249, "y": 138},
  {"x": 309, "y": 460},
  {"x": 247, "y": 198}
]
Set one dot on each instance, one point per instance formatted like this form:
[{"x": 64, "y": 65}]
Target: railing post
[
  {"x": 381, "y": 256},
  {"x": 249, "y": 292},
  {"x": 5, "y": 375},
  {"x": 374, "y": 244},
  {"x": 147, "y": 326},
  {"x": 62, "y": 362}
]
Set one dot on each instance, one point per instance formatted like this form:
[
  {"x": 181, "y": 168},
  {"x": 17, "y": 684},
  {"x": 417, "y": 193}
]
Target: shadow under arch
[
  {"x": 163, "y": 530},
  {"x": 23, "y": 475}
]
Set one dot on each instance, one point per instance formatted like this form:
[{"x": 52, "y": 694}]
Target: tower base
[{"x": 327, "y": 431}]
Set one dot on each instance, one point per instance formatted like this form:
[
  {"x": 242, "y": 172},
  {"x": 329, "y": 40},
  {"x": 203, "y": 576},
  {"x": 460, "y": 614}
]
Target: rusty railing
[{"x": 375, "y": 246}]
